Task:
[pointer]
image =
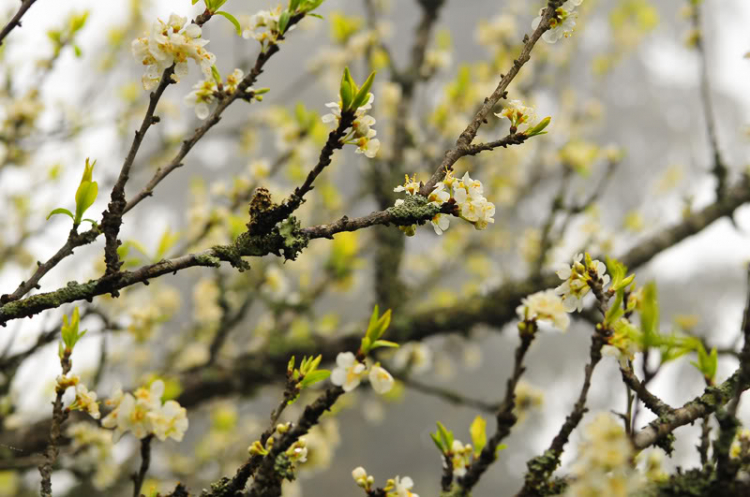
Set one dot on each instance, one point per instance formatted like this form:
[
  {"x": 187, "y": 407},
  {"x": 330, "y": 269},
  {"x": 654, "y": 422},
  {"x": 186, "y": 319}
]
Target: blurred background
[{"x": 626, "y": 85}]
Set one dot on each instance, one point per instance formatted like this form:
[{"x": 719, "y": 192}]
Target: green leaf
[
  {"x": 383, "y": 323},
  {"x": 384, "y": 343},
  {"x": 314, "y": 377},
  {"x": 346, "y": 92},
  {"x": 352, "y": 83},
  {"x": 363, "y": 93},
  {"x": 650, "y": 314},
  {"x": 310, "y": 5},
  {"x": 284, "y": 21},
  {"x": 194, "y": 1},
  {"x": 366, "y": 345},
  {"x": 293, "y": 5},
  {"x": 478, "y": 432},
  {"x": 501, "y": 447},
  {"x": 539, "y": 128},
  {"x": 615, "y": 311},
  {"x": 61, "y": 210},
  {"x": 77, "y": 51},
  {"x": 229, "y": 17},
  {"x": 446, "y": 436},
  {"x": 315, "y": 15},
  {"x": 435, "y": 438},
  {"x": 167, "y": 241},
  {"x": 85, "y": 197}
]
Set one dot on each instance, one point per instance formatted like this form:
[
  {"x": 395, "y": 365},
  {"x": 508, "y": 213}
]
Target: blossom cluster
[
  {"x": 466, "y": 193},
  {"x": 361, "y": 134},
  {"x": 518, "y": 114},
  {"x": 395, "y": 487},
  {"x": 144, "y": 414},
  {"x": 349, "y": 372},
  {"x": 562, "y": 24},
  {"x": 461, "y": 458},
  {"x": 84, "y": 401},
  {"x": 603, "y": 465},
  {"x": 547, "y": 306},
  {"x": 577, "y": 277},
  {"x": 263, "y": 26},
  {"x": 207, "y": 91},
  {"x": 173, "y": 42}
]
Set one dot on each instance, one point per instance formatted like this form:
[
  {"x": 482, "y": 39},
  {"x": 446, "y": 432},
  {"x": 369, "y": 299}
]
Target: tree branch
[{"x": 16, "y": 20}]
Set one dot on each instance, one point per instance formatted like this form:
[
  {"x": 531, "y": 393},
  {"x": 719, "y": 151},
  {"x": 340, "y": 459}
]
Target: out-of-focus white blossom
[
  {"x": 144, "y": 414},
  {"x": 400, "y": 487},
  {"x": 380, "y": 379},
  {"x": 201, "y": 97},
  {"x": 85, "y": 401},
  {"x": 545, "y": 305},
  {"x": 263, "y": 26},
  {"x": 604, "y": 466}
]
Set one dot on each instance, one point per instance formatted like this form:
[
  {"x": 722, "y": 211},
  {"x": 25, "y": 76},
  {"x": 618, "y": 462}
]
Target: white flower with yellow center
[
  {"x": 402, "y": 487},
  {"x": 201, "y": 97},
  {"x": 562, "y": 25},
  {"x": 547, "y": 306},
  {"x": 461, "y": 458},
  {"x": 86, "y": 401},
  {"x": 518, "y": 114},
  {"x": 410, "y": 186},
  {"x": 576, "y": 281},
  {"x": 170, "y": 43},
  {"x": 380, "y": 379},
  {"x": 169, "y": 421},
  {"x": 348, "y": 372}
]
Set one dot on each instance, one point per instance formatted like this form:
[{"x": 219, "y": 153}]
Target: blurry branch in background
[
  {"x": 719, "y": 167},
  {"x": 16, "y": 19}
]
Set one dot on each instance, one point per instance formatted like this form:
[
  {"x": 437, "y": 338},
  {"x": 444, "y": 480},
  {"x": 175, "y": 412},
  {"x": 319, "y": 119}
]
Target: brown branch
[
  {"x": 112, "y": 217},
  {"x": 240, "y": 93},
  {"x": 654, "y": 403},
  {"x": 468, "y": 135},
  {"x": 712, "y": 399},
  {"x": 16, "y": 20},
  {"x": 719, "y": 169},
  {"x": 75, "y": 240},
  {"x": 145, "y": 462},
  {"x": 448, "y": 395},
  {"x": 542, "y": 467},
  {"x": 505, "y": 417},
  {"x": 59, "y": 415}
]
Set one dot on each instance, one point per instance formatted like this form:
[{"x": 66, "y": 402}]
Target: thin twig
[
  {"x": 16, "y": 20},
  {"x": 505, "y": 417},
  {"x": 719, "y": 167},
  {"x": 468, "y": 135}
]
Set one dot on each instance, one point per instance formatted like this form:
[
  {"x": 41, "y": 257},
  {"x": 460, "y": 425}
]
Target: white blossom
[
  {"x": 546, "y": 305},
  {"x": 348, "y": 372},
  {"x": 170, "y": 43},
  {"x": 402, "y": 487},
  {"x": 562, "y": 24},
  {"x": 380, "y": 379}
]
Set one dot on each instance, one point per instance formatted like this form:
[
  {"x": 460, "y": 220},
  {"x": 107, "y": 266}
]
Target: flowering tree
[{"x": 265, "y": 290}]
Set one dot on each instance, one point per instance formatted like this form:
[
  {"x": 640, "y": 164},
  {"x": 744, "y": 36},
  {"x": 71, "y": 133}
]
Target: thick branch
[{"x": 711, "y": 400}]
